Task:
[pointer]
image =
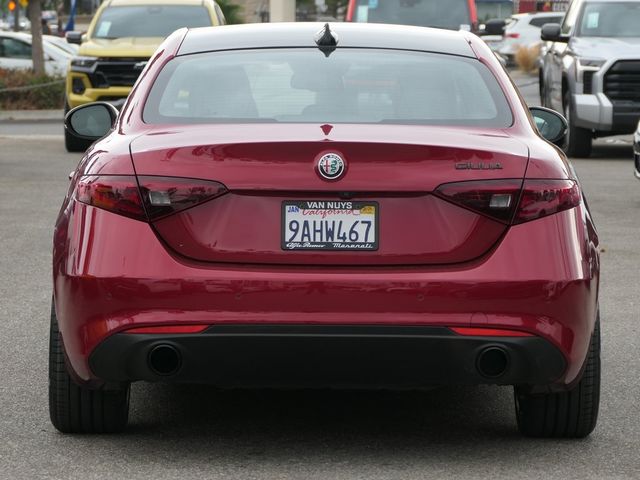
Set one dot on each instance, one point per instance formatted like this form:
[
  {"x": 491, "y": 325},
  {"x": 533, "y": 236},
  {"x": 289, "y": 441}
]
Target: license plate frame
[{"x": 338, "y": 207}]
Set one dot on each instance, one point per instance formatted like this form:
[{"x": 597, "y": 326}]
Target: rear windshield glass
[
  {"x": 610, "y": 20},
  {"x": 350, "y": 86},
  {"x": 149, "y": 21},
  {"x": 423, "y": 13}
]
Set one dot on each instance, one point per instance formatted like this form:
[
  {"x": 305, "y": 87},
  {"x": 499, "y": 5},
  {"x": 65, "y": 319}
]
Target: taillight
[
  {"x": 118, "y": 194},
  {"x": 513, "y": 201},
  {"x": 164, "y": 196},
  {"x": 512, "y": 35},
  {"x": 493, "y": 198},
  {"x": 153, "y": 198},
  {"x": 545, "y": 197}
]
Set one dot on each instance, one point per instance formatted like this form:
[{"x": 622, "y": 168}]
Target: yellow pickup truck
[{"x": 121, "y": 38}]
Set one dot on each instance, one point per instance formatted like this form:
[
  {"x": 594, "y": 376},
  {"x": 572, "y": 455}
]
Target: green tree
[
  {"x": 231, "y": 11},
  {"x": 37, "y": 50}
]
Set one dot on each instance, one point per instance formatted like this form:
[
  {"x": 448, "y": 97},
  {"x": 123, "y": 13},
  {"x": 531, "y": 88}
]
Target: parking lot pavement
[{"x": 198, "y": 432}]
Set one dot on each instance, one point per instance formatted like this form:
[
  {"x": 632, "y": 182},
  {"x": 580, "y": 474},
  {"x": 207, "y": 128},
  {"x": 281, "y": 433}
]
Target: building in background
[
  {"x": 489, "y": 9},
  {"x": 526, "y": 6}
]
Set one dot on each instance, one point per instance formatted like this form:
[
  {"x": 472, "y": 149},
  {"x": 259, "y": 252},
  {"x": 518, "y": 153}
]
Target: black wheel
[
  {"x": 543, "y": 95},
  {"x": 579, "y": 140},
  {"x": 77, "y": 409},
  {"x": 570, "y": 414},
  {"x": 71, "y": 143}
]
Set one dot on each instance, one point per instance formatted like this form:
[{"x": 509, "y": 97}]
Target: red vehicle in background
[{"x": 456, "y": 15}]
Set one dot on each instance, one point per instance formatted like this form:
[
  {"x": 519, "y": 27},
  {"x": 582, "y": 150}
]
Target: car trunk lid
[{"x": 267, "y": 168}]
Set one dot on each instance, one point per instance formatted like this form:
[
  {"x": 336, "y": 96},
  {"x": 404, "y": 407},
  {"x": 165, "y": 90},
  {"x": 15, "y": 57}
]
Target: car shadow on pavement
[
  {"x": 611, "y": 149},
  {"x": 250, "y": 418}
]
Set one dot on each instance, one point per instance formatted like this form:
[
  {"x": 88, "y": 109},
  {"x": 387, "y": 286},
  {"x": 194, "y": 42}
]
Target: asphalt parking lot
[{"x": 199, "y": 432}]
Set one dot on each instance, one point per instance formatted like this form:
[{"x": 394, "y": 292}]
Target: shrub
[
  {"x": 49, "y": 95},
  {"x": 232, "y": 11},
  {"x": 527, "y": 57}
]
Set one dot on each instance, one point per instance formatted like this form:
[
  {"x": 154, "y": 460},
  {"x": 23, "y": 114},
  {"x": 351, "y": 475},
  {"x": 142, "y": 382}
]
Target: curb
[{"x": 30, "y": 115}]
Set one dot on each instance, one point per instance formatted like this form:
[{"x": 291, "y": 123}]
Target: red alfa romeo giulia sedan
[{"x": 307, "y": 205}]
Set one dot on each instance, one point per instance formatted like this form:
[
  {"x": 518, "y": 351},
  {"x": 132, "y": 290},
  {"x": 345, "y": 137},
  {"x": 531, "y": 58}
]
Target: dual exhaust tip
[
  {"x": 492, "y": 362},
  {"x": 165, "y": 360}
]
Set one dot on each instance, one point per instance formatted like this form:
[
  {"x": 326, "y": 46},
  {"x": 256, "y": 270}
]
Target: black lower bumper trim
[{"x": 327, "y": 356}]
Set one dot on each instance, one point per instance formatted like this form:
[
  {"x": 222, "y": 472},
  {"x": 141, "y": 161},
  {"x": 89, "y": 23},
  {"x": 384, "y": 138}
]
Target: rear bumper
[
  {"x": 542, "y": 278},
  {"x": 327, "y": 356}
]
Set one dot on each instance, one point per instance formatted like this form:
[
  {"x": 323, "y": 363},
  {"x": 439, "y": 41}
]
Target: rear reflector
[
  {"x": 154, "y": 198},
  {"x": 511, "y": 201},
  {"x": 489, "y": 332},
  {"x": 168, "y": 329}
]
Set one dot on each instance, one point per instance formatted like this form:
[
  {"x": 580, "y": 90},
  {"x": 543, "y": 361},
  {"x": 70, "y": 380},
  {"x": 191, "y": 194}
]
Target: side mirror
[
  {"x": 90, "y": 122},
  {"x": 552, "y": 32},
  {"x": 74, "y": 37},
  {"x": 551, "y": 125},
  {"x": 495, "y": 27}
]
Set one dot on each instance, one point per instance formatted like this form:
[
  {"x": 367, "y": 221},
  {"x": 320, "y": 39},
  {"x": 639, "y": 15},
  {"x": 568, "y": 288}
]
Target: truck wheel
[
  {"x": 77, "y": 409},
  {"x": 570, "y": 414},
  {"x": 579, "y": 140},
  {"x": 71, "y": 143}
]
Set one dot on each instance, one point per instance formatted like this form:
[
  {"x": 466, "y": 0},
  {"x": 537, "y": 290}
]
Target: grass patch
[{"x": 47, "y": 92}]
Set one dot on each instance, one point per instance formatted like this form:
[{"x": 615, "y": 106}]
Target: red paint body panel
[
  {"x": 247, "y": 229},
  {"x": 112, "y": 273},
  {"x": 533, "y": 281}
]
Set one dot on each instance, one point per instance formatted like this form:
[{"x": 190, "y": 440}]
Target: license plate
[{"x": 329, "y": 225}]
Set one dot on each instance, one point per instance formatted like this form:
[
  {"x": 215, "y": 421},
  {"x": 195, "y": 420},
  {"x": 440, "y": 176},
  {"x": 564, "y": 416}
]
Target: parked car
[
  {"x": 70, "y": 48},
  {"x": 9, "y": 22},
  {"x": 523, "y": 30},
  {"x": 636, "y": 151},
  {"x": 51, "y": 19},
  {"x": 590, "y": 70},
  {"x": 342, "y": 206},
  {"x": 15, "y": 53},
  {"x": 121, "y": 37},
  {"x": 457, "y": 15}
]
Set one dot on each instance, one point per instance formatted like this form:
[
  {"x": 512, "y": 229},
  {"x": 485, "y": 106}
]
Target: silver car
[{"x": 591, "y": 70}]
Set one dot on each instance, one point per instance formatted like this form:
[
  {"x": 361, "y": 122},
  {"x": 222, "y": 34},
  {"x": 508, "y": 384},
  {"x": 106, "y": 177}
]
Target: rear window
[
  {"x": 350, "y": 86},
  {"x": 149, "y": 20}
]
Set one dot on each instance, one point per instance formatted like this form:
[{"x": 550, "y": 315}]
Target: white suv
[{"x": 523, "y": 29}]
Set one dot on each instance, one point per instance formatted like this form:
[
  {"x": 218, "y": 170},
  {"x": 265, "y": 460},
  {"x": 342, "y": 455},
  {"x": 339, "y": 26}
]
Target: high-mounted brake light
[
  {"x": 154, "y": 198},
  {"x": 513, "y": 201}
]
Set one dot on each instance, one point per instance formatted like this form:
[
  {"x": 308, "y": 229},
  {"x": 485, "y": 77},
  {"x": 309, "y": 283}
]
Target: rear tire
[
  {"x": 579, "y": 140},
  {"x": 77, "y": 409},
  {"x": 570, "y": 414}
]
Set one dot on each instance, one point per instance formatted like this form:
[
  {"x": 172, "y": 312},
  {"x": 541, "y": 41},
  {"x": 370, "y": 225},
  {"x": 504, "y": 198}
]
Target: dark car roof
[{"x": 363, "y": 35}]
